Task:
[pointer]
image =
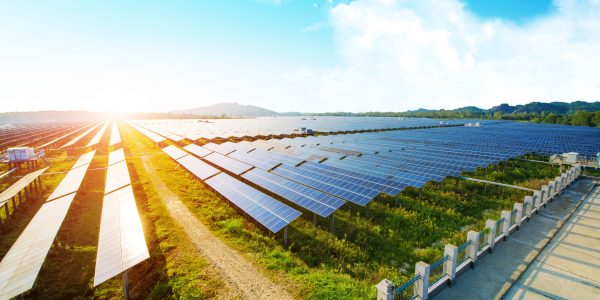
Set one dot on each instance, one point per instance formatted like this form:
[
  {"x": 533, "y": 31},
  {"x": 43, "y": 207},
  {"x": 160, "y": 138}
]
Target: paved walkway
[
  {"x": 494, "y": 274},
  {"x": 569, "y": 267}
]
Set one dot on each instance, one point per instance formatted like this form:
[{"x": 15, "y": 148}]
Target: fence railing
[
  {"x": 407, "y": 290},
  {"x": 428, "y": 277}
]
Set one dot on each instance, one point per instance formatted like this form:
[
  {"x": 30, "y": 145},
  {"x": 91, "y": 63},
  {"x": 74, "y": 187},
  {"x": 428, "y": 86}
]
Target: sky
[{"x": 296, "y": 55}]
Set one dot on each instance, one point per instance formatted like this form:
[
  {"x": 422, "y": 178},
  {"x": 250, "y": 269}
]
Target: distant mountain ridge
[{"x": 228, "y": 109}]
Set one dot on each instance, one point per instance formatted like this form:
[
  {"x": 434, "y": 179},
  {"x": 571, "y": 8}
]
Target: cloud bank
[{"x": 406, "y": 54}]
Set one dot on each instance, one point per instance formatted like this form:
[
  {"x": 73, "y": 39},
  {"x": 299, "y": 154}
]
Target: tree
[
  {"x": 596, "y": 119},
  {"x": 582, "y": 118},
  {"x": 498, "y": 115},
  {"x": 551, "y": 118}
]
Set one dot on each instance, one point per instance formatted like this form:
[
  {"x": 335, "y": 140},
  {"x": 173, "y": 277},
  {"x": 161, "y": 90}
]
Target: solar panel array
[
  {"x": 20, "y": 266},
  {"x": 79, "y": 137},
  {"x": 115, "y": 136},
  {"x": 121, "y": 242},
  {"x": 18, "y": 186},
  {"x": 269, "y": 212},
  {"x": 193, "y": 130},
  {"x": 35, "y": 135},
  {"x": 98, "y": 136},
  {"x": 358, "y": 167}
]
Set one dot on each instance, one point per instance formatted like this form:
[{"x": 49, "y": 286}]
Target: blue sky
[{"x": 287, "y": 55}]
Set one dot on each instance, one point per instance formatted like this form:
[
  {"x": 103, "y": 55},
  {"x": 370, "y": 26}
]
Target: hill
[{"x": 229, "y": 109}]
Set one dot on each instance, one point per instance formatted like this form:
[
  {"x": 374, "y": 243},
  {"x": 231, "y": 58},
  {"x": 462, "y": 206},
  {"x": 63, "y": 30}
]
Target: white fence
[{"x": 431, "y": 277}]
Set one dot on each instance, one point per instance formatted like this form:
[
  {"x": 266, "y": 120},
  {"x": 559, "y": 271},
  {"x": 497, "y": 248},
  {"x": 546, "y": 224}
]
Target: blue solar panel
[
  {"x": 197, "y": 167},
  {"x": 313, "y": 200},
  {"x": 269, "y": 212},
  {"x": 334, "y": 188},
  {"x": 234, "y": 166}
]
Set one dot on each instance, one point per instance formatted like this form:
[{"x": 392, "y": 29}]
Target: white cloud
[{"x": 405, "y": 54}]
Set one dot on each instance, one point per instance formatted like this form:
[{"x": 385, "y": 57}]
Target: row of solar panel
[
  {"x": 21, "y": 264},
  {"x": 121, "y": 243},
  {"x": 267, "y": 211}
]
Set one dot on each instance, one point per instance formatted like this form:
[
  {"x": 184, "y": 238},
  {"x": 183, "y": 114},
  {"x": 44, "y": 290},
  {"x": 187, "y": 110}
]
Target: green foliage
[{"x": 576, "y": 113}]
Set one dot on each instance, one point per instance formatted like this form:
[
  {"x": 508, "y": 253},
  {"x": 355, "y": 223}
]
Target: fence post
[
  {"x": 422, "y": 285},
  {"x": 537, "y": 199},
  {"x": 544, "y": 194},
  {"x": 551, "y": 190},
  {"x": 563, "y": 180},
  {"x": 529, "y": 201},
  {"x": 473, "y": 237},
  {"x": 506, "y": 215},
  {"x": 385, "y": 290},
  {"x": 518, "y": 208},
  {"x": 450, "y": 264},
  {"x": 491, "y": 225},
  {"x": 558, "y": 185}
]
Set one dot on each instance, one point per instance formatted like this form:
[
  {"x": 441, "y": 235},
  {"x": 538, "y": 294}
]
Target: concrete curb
[{"x": 559, "y": 225}]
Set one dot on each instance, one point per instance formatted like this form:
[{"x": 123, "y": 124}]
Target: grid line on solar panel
[
  {"x": 339, "y": 180},
  {"x": 252, "y": 160},
  {"x": 227, "y": 163},
  {"x": 322, "y": 186},
  {"x": 197, "y": 167},
  {"x": 197, "y": 150},
  {"x": 116, "y": 156},
  {"x": 117, "y": 176},
  {"x": 304, "y": 196},
  {"x": 376, "y": 183},
  {"x": 267, "y": 211},
  {"x": 174, "y": 152}
]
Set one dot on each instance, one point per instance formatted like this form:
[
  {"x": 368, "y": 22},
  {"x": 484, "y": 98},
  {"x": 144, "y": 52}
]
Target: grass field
[{"x": 344, "y": 263}]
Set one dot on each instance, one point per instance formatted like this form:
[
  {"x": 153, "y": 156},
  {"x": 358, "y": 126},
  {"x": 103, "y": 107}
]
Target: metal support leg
[
  {"x": 285, "y": 236},
  {"x": 331, "y": 225},
  {"x": 125, "y": 286}
]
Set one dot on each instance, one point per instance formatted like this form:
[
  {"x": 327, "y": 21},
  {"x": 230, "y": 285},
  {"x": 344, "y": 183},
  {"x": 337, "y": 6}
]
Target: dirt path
[{"x": 240, "y": 274}]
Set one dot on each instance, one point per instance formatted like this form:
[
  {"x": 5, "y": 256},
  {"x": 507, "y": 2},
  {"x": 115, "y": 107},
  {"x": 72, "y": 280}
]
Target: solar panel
[
  {"x": 267, "y": 211},
  {"x": 333, "y": 188},
  {"x": 117, "y": 176},
  {"x": 116, "y": 156},
  {"x": 265, "y": 164},
  {"x": 229, "y": 164},
  {"x": 149, "y": 134},
  {"x": 197, "y": 167},
  {"x": 121, "y": 243},
  {"x": 197, "y": 150},
  {"x": 20, "y": 266},
  {"x": 313, "y": 200},
  {"x": 84, "y": 159},
  {"x": 115, "y": 136},
  {"x": 79, "y": 137},
  {"x": 72, "y": 181},
  {"x": 96, "y": 139},
  {"x": 174, "y": 152},
  {"x": 18, "y": 186}
]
